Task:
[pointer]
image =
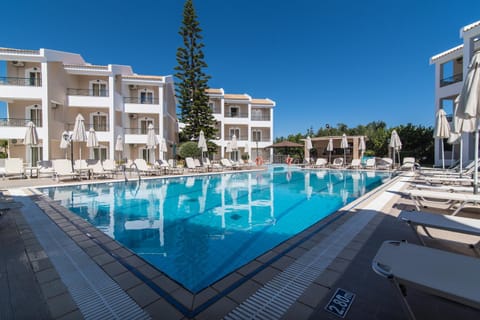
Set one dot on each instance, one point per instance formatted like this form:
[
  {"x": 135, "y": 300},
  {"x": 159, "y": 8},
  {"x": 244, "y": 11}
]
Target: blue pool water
[{"x": 199, "y": 229}]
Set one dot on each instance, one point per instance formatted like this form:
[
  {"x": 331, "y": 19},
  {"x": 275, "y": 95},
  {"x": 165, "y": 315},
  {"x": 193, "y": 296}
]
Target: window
[
  {"x": 235, "y": 131},
  {"x": 257, "y": 114},
  {"x": 234, "y": 112},
  {"x": 234, "y": 155},
  {"x": 146, "y": 96},
  {"x": 147, "y": 154},
  {"x": 143, "y": 124},
  {"x": 99, "y": 121},
  {"x": 34, "y": 154},
  {"x": 257, "y": 135},
  {"x": 98, "y": 88},
  {"x": 34, "y": 114},
  {"x": 34, "y": 77},
  {"x": 100, "y": 153}
]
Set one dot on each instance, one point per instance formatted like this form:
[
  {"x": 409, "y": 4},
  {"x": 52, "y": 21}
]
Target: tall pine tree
[{"x": 192, "y": 81}]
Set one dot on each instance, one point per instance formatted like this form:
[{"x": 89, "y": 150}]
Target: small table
[{"x": 33, "y": 171}]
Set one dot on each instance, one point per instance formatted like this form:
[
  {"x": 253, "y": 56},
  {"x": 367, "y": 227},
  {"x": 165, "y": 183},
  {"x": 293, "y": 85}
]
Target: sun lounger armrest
[{"x": 383, "y": 269}]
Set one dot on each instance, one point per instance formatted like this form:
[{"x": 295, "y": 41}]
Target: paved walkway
[{"x": 29, "y": 278}]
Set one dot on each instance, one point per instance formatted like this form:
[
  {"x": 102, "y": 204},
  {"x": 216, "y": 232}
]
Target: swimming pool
[{"x": 199, "y": 229}]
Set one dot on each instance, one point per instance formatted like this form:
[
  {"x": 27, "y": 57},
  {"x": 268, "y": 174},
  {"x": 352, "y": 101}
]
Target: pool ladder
[{"x": 136, "y": 170}]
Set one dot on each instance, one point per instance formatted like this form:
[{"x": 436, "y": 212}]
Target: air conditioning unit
[
  {"x": 132, "y": 87},
  {"x": 14, "y": 141},
  {"x": 133, "y": 116},
  {"x": 18, "y": 63}
]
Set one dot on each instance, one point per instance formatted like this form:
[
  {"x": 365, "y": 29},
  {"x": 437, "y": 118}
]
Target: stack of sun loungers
[{"x": 442, "y": 273}]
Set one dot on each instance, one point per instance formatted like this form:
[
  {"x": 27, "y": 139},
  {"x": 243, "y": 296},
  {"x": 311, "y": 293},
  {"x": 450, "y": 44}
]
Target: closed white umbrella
[
  {"x": 163, "y": 148},
  {"x": 119, "y": 146},
  {"x": 234, "y": 142},
  {"x": 64, "y": 143},
  {"x": 396, "y": 145},
  {"x": 308, "y": 146},
  {"x": 202, "y": 142},
  {"x": 460, "y": 125},
  {"x": 31, "y": 137},
  {"x": 362, "y": 147},
  {"x": 92, "y": 141},
  {"x": 330, "y": 149},
  {"x": 468, "y": 106},
  {"x": 229, "y": 147},
  {"x": 79, "y": 134},
  {"x": 152, "y": 140},
  {"x": 344, "y": 146},
  {"x": 442, "y": 131}
]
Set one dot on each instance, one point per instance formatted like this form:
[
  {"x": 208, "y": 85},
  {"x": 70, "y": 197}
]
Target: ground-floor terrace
[{"x": 61, "y": 267}]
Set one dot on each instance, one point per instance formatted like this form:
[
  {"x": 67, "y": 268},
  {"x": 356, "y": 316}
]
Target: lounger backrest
[
  {"x": 355, "y": 162},
  {"x": 370, "y": 162},
  {"x": 190, "y": 163},
  {"x": 14, "y": 165},
  {"x": 225, "y": 162},
  {"x": 409, "y": 160},
  {"x": 109, "y": 164},
  {"x": 338, "y": 161},
  {"x": 321, "y": 162},
  {"x": 62, "y": 166},
  {"x": 141, "y": 164},
  {"x": 80, "y": 164},
  {"x": 197, "y": 163}
]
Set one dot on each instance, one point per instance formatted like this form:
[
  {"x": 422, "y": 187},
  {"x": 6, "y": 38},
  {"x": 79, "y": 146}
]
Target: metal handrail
[
  {"x": 24, "y": 82},
  {"x": 87, "y": 92},
  {"x": 12, "y": 122},
  {"x": 236, "y": 115},
  {"x": 141, "y": 100},
  {"x": 136, "y": 170},
  {"x": 139, "y": 130},
  {"x": 260, "y": 118},
  {"x": 97, "y": 127}
]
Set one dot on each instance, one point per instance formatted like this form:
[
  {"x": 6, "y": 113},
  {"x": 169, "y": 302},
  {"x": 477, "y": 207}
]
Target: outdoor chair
[
  {"x": 370, "y": 163},
  {"x": 212, "y": 166},
  {"x": 190, "y": 163},
  {"x": 452, "y": 199},
  {"x": 14, "y": 167},
  {"x": 97, "y": 170},
  {"x": 416, "y": 219},
  {"x": 320, "y": 163},
  {"x": 355, "y": 164},
  {"x": 143, "y": 167},
  {"x": 383, "y": 164},
  {"x": 199, "y": 166},
  {"x": 63, "y": 168},
  {"x": 407, "y": 265},
  {"x": 172, "y": 168},
  {"x": 227, "y": 164},
  {"x": 109, "y": 165},
  {"x": 408, "y": 164},
  {"x": 45, "y": 168}
]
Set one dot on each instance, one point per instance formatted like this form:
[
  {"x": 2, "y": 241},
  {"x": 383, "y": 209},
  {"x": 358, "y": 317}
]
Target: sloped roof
[{"x": 285, "y": 144}]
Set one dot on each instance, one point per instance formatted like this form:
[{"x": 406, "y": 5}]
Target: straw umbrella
[
  {"x": 31, "y": 138},
  {"x": 442, "y": 131},
  {"x": 202, "y": 142},
  {"x": 396, "y": 145},
  {"x": 330, "y": 149},
  {"x": 344, "y": 146},
  {"x": 119, "y": 146},
  {"x": 152, "y": 140},
  {"x": 468, "y": 107},
  {"x": 79, "y": 134}
]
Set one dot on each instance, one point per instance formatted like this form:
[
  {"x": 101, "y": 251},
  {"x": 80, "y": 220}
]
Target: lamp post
[{"x": 68, "y": 138}]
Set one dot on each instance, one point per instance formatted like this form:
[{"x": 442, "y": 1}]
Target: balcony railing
[
  {"x": 140, "y": 100},
  {"x": 262, "y": 139},
  {"x": 97, "y": 127},
  {"x": 12, "y": 122},
  {"x": 236, "y": 115},
  {"x": 261, "y": 117},
  {"x": 24, "y": 82},
  {"x": 451, "y": 80},
  {"x": 139, "y": 130},
  {"x": 87, "y": 92},
  {"x": 240, "y": 138}
]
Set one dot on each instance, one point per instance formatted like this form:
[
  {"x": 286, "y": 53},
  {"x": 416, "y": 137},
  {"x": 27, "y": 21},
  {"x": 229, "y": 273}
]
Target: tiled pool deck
[{"x": 294, "y": 280}]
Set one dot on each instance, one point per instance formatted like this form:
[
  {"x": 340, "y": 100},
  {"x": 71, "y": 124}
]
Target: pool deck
[{"x": 294, "y": 280}]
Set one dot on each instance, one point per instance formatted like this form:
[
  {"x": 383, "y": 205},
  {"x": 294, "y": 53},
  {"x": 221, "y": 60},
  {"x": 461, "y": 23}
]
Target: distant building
[
  {"x": 451, "y": 66},
  {"x": 250, "y": 120},
  {"x": 51, "y": 87}
]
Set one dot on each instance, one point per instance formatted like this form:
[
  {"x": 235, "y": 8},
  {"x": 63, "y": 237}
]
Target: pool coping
[{"x": 139, "y": 279}]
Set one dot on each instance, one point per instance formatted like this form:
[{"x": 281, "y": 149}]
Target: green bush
[{"x": 189, "y": 149}]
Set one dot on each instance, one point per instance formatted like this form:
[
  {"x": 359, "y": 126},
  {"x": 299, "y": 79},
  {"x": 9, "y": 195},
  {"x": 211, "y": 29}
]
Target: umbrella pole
[
  {"x": 475, "y": 174},
  {"x": 443, "y": 155},
  {"x": 461, "y": 155}
]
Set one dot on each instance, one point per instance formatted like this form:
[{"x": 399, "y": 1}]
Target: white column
[
  {"x": 111, "y": 115},
  {"x": 45, "y": 111}
]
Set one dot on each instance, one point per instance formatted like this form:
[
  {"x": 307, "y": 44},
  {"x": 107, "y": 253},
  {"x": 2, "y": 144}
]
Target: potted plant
[{"x": 245, "y": 157}]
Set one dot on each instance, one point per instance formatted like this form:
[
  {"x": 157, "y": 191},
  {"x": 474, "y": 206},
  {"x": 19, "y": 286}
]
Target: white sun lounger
[
  {"x": 443, "y": 222},
  {"x": 429, "y": 270},
  {"x": 450, "y": 188},
  {"x": 451, "y": 198}
]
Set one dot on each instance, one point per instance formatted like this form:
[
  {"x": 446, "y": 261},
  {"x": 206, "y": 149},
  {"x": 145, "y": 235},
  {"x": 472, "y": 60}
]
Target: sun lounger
[
  {"x": 227, "y": 164},
  {"x": 451, "y": 198},
  {"x": 383, "y": 163},
  {"x": 429, "y": 270},
  {"x": 14, "y": 167},
  {"x": 449, "y": 188},
  {"x": 143, "y": 168},
  {"x": 63, "y": 168},
  {"x": 45, "y": 168},
  {"x": 110, "y": 166},
  {"x": 449, "y": 180},
  {"x": 439, "y": 221},
  {"x": 370, "y": 163},
  {"x": 320, "y": 163},
  {"x": 337, "y": 163},
  {"x": 191, "y": 166},
  {"x": 355, "y": 164},
  {"x": 408, "y": 163}
]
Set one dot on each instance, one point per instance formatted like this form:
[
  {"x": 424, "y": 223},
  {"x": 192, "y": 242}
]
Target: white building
[
  {"x": 249, "y": 119},
  {"x": 451, "y": 67},
  {"x": 51, "y": 87}
]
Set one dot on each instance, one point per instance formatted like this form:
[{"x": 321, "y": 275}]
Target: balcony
[
  {"x": 24, "y": 82},
  {"x": 236, "y": 115},
  {"x": 141, "y": 105},
  {"x": 451, "y": 80},
  {"x": 88, "y": 98},
  {"x": 137, "y": 135},
  {"x": 140, "y": 100},
  {"x": 98, "y": 127},
  {"x": 261, "y": 117},
  {"x": 11, "y": 128}
]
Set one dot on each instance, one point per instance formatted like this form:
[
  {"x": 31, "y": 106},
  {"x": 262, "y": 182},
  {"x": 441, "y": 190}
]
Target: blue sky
[{"x": 323, "y": 62}]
